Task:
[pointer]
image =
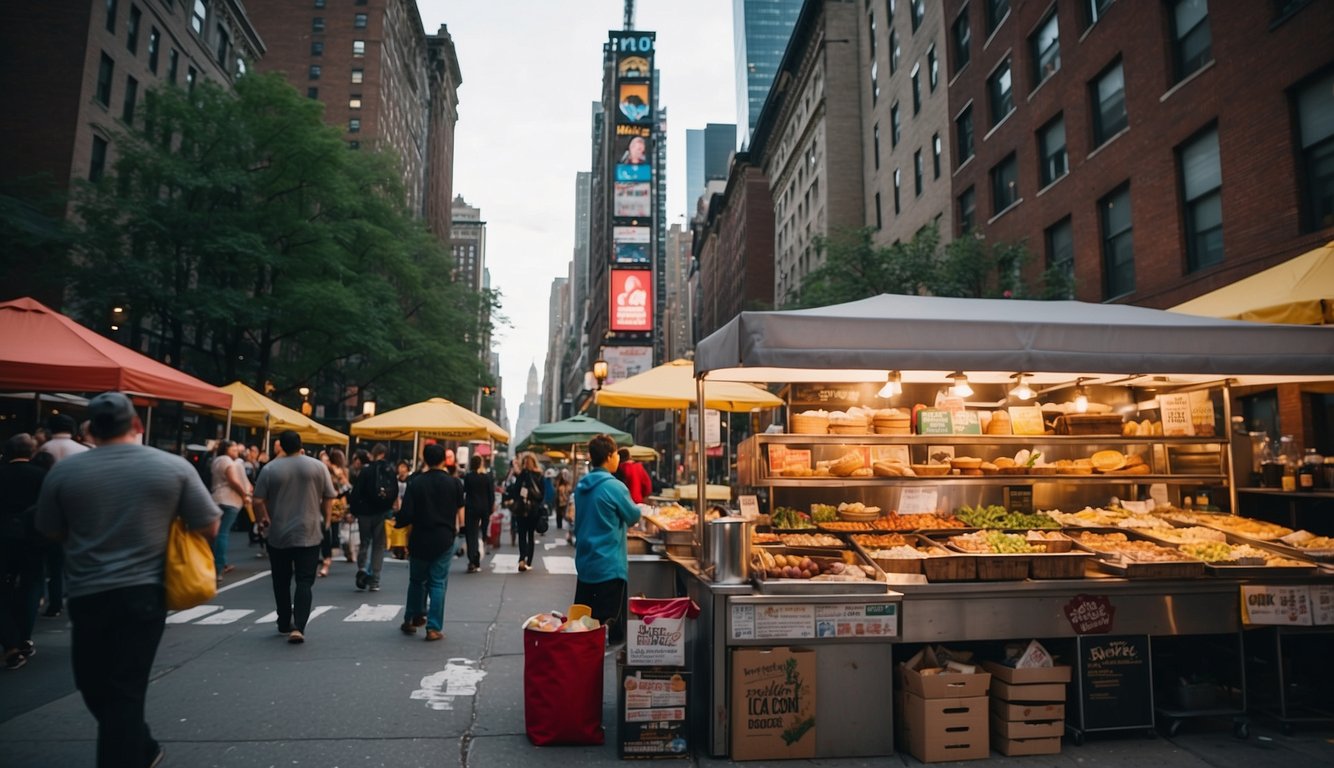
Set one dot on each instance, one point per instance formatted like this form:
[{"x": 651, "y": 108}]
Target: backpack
[
  {"x": 384, "y": 486},
  {"x": 533, "y": 502}
]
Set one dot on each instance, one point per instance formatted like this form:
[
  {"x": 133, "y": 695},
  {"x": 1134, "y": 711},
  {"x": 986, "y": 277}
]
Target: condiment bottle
[
  {"x": 1288, "y": 455},
  {"x": 1271, "y": 466},
  {"x": 1310, "y": 471}
]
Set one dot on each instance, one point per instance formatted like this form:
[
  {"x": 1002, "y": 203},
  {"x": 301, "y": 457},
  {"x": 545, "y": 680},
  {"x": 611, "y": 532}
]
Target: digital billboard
[
  {"x": 631, "y": 300},
  {"x": 624, "y": 362},
  {"x": 634, "y": 158},
  {"x": 631, "y": 199},
  {"x": 634, "y": 68},
  {"x": 631, "y": 244},
  {"x": 634, "y": 103}
]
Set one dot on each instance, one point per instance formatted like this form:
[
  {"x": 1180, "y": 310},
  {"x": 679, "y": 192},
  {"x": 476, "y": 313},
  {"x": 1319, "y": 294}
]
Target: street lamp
[
  {"x": 305, "y": 400},
  {"x": 368, "y": 408},
  {"x": 600, "y": 374}
]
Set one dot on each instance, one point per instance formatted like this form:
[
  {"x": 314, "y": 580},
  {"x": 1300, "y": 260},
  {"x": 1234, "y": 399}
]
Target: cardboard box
[
  {"x": 653, "y": 713},
  {"x": 943, "y": 686},
  {"x": 1058, "y": 674},
  {"x": 660, "y": 644},
  {"x": 773, "y": 703},
  {"x": 1013, "y": 747},
  {"x": 1027, "y": 712},
  {"x": 1040, "y": 692},
  {"x": 939, "y": 730},
  {"x": 1022, "y": 729}
]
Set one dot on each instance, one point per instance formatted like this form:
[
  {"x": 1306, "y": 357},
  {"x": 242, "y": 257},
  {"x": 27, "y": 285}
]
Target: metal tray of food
[
  {"x": 1117, "y": 563},
  {"x": 815, "y": 586},
  {"x": 1283, "y": 548},
  {"x": 1228, "y": 524},
  {"x": 1225, "y": 571}
]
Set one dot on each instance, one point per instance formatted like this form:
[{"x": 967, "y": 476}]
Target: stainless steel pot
[{"x": 728, "y": 548}]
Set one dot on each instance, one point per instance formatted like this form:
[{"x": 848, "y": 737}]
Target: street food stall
[{"x": 992, "y": 440}]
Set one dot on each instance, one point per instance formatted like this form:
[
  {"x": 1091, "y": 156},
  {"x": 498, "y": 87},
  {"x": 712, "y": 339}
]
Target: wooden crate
[
  {"x": 1002, "y": 567},
  {"x": 1058, "y": 566},
  {"x": 950, "y": 567}
]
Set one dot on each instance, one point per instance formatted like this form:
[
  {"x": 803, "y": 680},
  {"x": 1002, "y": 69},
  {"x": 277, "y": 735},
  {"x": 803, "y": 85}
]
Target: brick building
[
  {"x": 1157, "y": 150},
  {"x": 382, "y": 79},
  {"x": 734, "y": 242}
]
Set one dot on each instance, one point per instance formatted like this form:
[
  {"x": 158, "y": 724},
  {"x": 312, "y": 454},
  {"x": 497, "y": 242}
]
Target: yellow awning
[
  {"x": 1299, "y": 291},
  {"x": 437, "y": 418},
  {"x": 252, "y": 409},
  {"x": 672, "y": 386}
]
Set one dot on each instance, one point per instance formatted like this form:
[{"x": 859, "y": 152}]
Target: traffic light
[{"x": 488, "y": 390}]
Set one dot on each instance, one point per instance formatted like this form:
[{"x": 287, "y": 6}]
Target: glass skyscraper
[
  {"x": 760, "y": 31},
  {"x": 708, "y": 155}
]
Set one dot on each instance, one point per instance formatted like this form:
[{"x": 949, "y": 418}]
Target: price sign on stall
[
  {"x": 918, "y": 500},
  {"x": 1175, "y": 410},
  {"x": 1276, "y": 604}
]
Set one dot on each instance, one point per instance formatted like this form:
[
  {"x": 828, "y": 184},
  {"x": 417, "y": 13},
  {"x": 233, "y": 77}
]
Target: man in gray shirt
[
  {"x": 112, "y": 508},
  {"x": 293, "y": 498}
]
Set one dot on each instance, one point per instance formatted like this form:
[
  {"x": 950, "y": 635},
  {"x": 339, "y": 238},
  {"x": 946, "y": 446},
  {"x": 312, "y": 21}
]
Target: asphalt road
[{"x": 228, "y": 690}]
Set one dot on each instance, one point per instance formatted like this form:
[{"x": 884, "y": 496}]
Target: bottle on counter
[
  {"x": 1311, "y": 470},
  {"x": 1288, "y": 455},
  {"x": 1271, "y": 465}
]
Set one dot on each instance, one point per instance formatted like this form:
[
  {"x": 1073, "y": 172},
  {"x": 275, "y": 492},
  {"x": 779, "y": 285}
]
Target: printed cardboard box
[
  {"x": 1027, "y": 711},
  {"x": 653, "y": 709},
  {"x": 938, "y": 730},
  {"x": 1057, "y": 674},
  {"x": 1036, "y": 692},
  {"x": 773, "y": 703}
]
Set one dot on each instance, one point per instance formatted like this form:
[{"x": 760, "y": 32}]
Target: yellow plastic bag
[{"x": 190, "y": 578}]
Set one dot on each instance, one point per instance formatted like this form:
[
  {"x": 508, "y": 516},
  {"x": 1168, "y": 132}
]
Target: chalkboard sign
[{"x": 1115, "y": 682}]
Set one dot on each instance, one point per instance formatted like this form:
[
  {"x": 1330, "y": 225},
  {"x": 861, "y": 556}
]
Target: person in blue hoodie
[{"x": 604, "y": 512}]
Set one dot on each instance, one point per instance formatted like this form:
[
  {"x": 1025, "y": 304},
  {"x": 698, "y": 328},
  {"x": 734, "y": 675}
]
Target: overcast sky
[{"x": 531, "y": 69}]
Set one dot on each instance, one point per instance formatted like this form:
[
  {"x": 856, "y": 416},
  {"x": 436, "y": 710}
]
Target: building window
[
  {"x": 312, "y": 93},
  {"x": 1118, "y": 253},
  {"x": 967, "y": 210},
  {"x": 358, "y": 75},
  {"x": 317, "y": 24},
  {"x": 875, "y": 82},
  {"x": 359, "y": 21},
  {"x": 935, "y": 155},
  {"x": 916, "y": 90},
  {"x": 963, "y": 38},
  {"x": 173, "y": 65},
  {"x": 319, "y": 3},
  {"x": 1046, "y": 47},
  {"x": 240, "y": 66},
  {"x": 1061, "y": 253},
  {"x": 358, "y": 48},
  {"x": 105, "y": 71},
  {"x": 354, "y": 101},
  {"x": 224, "y": 47},
  {"x": 190, "y": 76},
  {"x": 154, "y": 45},
  {"x": 111, "y": 16},
  {"x": 128, "y": 103},
  {"x": 1000, "y": 88},
  {"x": 316, "y": 47},
  {"x": 932, "y": 68},
  {"x": 132, "y": 29},
  {"x": 1191, "y": 40},
  {"x": 870, "y": 20},
  {"x": 963, "y": 125},
  {"x": 1004, "y": 184},
  {"x": 897, "y": 180},
  {"x": 917, "y": 172},
  {"x": 894, "y": 125},
  {"x": 98, "y": 163},
  {"x": 1095, "y": 10},
  {"x": 1315, "y": 117},
  {"x": 354, "y": 125},
  {"x": 875, "y": 144},
  {"x": 918, "y": 8},
  {"x": 893, "y": 51},
  {"x": 879, "y": 216},
  {"x": 1202, "y": 190},
  {"x": 198, "y": 15},
  {"x": 315, "y": 71},
  {"x": 1051, "y": 148},
  {"x": 997, "y": 12},
  {"x": 1109, "y": 105}
]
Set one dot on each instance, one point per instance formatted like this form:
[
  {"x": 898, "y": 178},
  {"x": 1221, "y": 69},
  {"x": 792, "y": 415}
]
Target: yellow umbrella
[
  {"x": 643, "y": 453},
  {"x": 252, "y": 409},
  {"x": 672, "y": 386},
  {"x": 1299, "y": 291},
  {"x": 438, "y": 418}
]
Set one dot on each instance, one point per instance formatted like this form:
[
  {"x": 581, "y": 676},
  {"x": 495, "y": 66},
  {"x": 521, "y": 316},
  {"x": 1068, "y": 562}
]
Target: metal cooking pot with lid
[{"x": 727, "y": 542}]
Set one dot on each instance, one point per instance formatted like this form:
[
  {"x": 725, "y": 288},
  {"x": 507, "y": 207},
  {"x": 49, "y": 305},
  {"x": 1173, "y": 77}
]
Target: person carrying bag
[{"x": 526, "y": 507}]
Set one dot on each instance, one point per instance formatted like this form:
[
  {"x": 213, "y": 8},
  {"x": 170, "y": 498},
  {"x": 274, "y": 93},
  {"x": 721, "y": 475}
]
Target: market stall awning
[
  {"x": 1299, "y": 291},
  {"x": 643, "y": 453},
  {"x": 575, "y": 430},
  {"x": 672, "y": 386},
  {"x": 865, "y": 340},
  {"x": 438, "y": 418},
  {"x": 43, "y": 350},
  {"x": 252, "y": 409}
]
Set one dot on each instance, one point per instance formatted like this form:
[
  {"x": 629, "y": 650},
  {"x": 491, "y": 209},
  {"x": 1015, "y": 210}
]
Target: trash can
[{"x": 562, "y": 686}]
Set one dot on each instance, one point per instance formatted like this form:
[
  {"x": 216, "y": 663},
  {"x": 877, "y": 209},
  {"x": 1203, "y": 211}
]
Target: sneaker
[
  {"x": 15, "y": 660},
  {"x": 374, "y": 587},
  {"x": 361, "y": 579},
  {"x": 474, "y": 568},
  {"x": 408, "y": 628},
  {"x": 522, "y": 566},
  {"x": 434, "y": 634},
  {"x": 295, "y": 637},
  {"x": 27, "y": 649},
  {"x": 418, "y": 621}
]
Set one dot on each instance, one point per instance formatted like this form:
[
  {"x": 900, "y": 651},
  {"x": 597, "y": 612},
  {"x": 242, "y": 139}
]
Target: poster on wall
[
  {"x": 631, "y": 304},
  {"x": 634, "y": 68},
  {"x": 624, "y": 362},
  {"x": 633, "y": 102},
  {"x": 631, "y": 199},
  {"x": 631, "y": 244},
  {"x": 633, "y": 158}
]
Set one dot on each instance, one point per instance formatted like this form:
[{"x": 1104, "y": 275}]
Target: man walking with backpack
[{"x": 373, "y": 499}]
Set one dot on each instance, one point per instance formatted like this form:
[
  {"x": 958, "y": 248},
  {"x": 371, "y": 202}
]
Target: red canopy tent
[{"x": 42, "y": 350}]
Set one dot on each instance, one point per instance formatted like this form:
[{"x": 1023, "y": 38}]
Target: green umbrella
[{"x": 575, "y": 430}]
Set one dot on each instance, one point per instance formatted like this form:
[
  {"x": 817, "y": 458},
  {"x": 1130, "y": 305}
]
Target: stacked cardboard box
[
  {"x": 1027, "y": 708},
  {"x": 773, "y": 703},
  {"x": 943, "y": 715}
]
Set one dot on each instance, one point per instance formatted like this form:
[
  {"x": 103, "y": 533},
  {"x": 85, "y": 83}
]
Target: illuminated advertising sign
[
  {"x": 634, "y": 68},
  {"x": 631, "y": 199},
  {"x": 634, "y": 103},
  {"x": 634, "y": 158},
  {"x": 631, "y": 244},
  {"x": 624, "y": 362},
  {"x": 631, "y": 300}
]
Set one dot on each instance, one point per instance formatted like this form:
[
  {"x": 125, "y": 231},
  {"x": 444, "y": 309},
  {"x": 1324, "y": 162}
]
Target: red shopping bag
[
  {"x": 562, "y": 686},
  {"x": 493, "y": 529}
]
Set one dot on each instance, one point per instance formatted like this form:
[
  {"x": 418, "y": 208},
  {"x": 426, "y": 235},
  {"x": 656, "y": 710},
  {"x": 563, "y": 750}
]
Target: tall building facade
[
  {"x": 734, "y": 246},
  {"x": 708, "y": 154},
  {"x": 760, "y": 32},
  {"x": 382, "y": 79},
  {"x": 530, "y": 410},
  {"x": 87, "y": 68},
  {"x": 467, "y": 243},
  {"x": 676, "y": 320},
  {"x": 1153, "y": 151},
  {"x": 558, "y": 313}
]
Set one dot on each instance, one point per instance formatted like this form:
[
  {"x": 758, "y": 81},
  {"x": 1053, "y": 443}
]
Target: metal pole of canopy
[{"x": 701, "y": 503}]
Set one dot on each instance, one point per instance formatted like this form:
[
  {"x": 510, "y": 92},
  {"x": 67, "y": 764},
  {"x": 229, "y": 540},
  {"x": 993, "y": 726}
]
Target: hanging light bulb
[
  {"x": 1021, "y": 390},
  {"x": 1081, "y": 397},
  {"x": 961, "y": 387},
  {"x": 893, "y": 387}
]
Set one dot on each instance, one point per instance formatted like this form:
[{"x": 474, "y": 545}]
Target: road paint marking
[
  {"x": 459, "y": 678},
  {"x": 256, "y": 577},
  {"x": 226, "y": 616},
  {"x": 375, "y": 613},
  {"x": 190, "y": 614},
  {"x": 272, "y": 616},
  {"x": 505, "y": 563},
  {"x": 559, "y": 564}
]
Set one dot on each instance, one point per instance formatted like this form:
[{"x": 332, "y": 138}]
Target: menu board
[
  {"x": 772, "y": 622},
  {"x": 857, "y": 620},
  {"x": 832, "y": 620},
  {"x": 1175, "y": 413},
  {"x": 1115, "y": 682},
  {"x": 918, "y": 500},
  {"x": 933, "y": 421},
  {"x": 967, "y": 423},
  {"x": 1026, "y": 420},
  {"x": 1276, "y": 604}
]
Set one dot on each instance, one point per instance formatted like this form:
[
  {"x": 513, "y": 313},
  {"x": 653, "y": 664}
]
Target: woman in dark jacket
[
  {"x": 479, "y": 493},
  {"x": 525, "y": 497}
]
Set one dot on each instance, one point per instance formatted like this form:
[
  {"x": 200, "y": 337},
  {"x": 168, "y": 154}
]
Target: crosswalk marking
[
  {"x": 226, "y": 617},
  {"x": 190, "y": 614},
  {"x": 272, "y": 616},
  {"x": 375, "y": 613},
  {"x": 505, "y": 563},
  {"x": 560, "y": 564}
]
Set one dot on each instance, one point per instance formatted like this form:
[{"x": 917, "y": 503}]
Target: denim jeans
[
  {"x": 427, "y": 580},
  {"x": 220, "y": 541},
  {"x": 370, "y": 556},
  {"x": 524, "y": 525},
  {"x": 114, "y": 639},
  {"x": 286, "y": 563}
]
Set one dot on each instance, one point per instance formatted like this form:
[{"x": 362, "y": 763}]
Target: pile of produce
[
  {"x": 778, "y": 566},
  {"x": 824, "y": 513},
  {"x": 896, "y": 522},
  {"x": 994, "y": 543},
  {"x": 1192, "y": 535},
  {"x": 790, "y": 519},
  {"x": 996, "y": 516},
  {"x": 1141, "y": 551},
  {"x": 809, "y": 540},
  {"x": 871, "y": 541}
]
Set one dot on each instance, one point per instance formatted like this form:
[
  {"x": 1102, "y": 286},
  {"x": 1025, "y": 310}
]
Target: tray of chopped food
[
  {"x": 810, "y": 540},
  {"x": 1244, "y": 526},
  {"x": 911, "y": 553},
  {"x": 790, "y": 519},
  {"x": 1300, "y": 546},
  {"x": 1000, "y": 556},
  {"x": 799, "y": 571},
  {"x": 1246, "y": 561},
  {"x": 1138, "y": 558},
  {"x": 998, "y": 517}
]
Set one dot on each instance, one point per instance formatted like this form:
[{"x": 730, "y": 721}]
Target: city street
[{"x": 229, "y": 691}]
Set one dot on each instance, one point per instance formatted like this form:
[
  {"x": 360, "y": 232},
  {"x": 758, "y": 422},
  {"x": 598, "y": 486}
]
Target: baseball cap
[{"x": 111, "y": 414}]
